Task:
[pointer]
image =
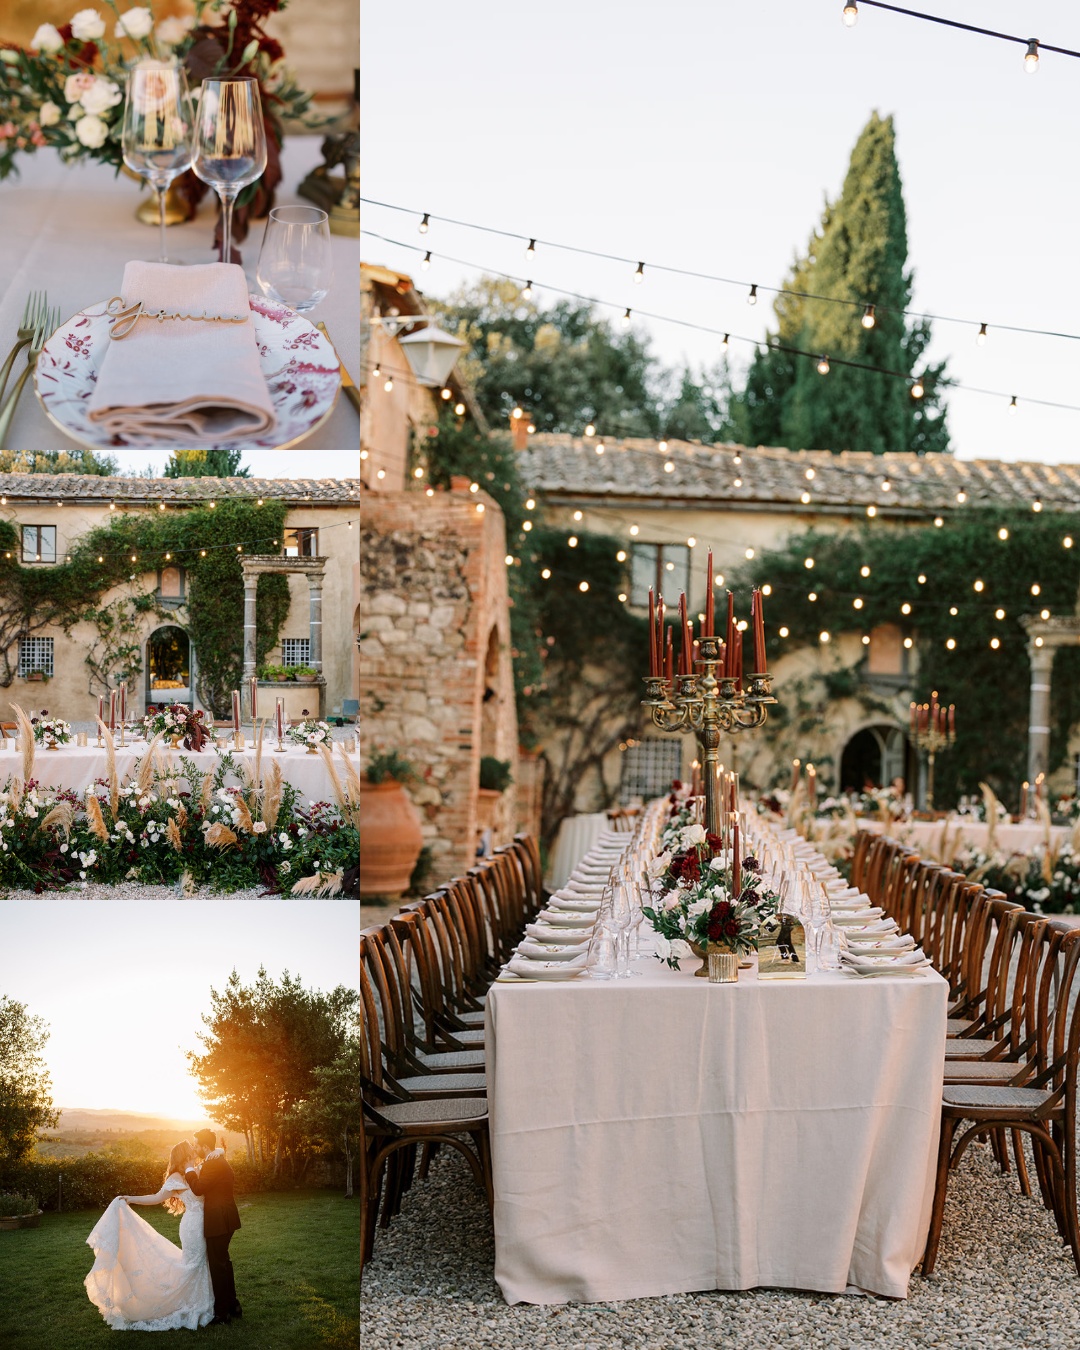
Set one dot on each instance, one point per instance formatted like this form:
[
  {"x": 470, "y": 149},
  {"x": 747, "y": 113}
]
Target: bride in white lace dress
[{"x": 141, "y": 1281}]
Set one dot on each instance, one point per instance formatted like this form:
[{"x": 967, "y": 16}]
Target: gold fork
[
  {"x": 46, "y": 326},
  {"x": 34, "y": 310}
]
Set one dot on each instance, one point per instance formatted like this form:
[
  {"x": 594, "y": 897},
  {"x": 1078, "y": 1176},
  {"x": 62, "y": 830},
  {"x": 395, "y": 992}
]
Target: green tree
[
  {"x": 858, "y": 254},
  {"x": 205, "y": 464},
  {"x": 25, "y": 1088},
  {"x": 57, "y": 461},
  {"x": 331, "y": 1113}
]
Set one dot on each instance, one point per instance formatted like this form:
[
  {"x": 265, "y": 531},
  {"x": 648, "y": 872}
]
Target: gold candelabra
[
  {"x": 930, "y": 740},
  {"x": 711, "y": 707}
]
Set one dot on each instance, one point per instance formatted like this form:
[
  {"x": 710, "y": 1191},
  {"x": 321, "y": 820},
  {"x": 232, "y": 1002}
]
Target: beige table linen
[
  {"x": 662, "y": 1134},
  {"x": 177, "y": 380},
  {"x": 76, "y": 767},
  {"x": 963, "y": 832},
  {"x": 71, "y": 230},
  {"x": 576, "y": 836}
]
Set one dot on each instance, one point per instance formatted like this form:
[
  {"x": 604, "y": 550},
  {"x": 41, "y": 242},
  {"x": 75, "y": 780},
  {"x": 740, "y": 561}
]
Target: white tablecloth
[
  {"x": 70, "y": 230},
  {"x": 576, "y": 836},
  {"x": 660, "y": 1135},
  {"x": 76, "y": 767},
  {"x": 927, "y": 834}
]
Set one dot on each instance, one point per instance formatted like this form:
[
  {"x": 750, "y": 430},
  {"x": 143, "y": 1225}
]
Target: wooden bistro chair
[{"x": 1044, "y": 1108}]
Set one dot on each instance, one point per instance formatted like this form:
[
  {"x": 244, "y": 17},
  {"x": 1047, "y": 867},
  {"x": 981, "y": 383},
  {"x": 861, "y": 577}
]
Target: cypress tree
[{"x": 858, "y": 254}]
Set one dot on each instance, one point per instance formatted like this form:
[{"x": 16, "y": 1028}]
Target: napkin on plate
[
  {"x": 174, "y": 381},
  {"x": 857, "y": 916},
  {"x": 573, "y": 904},
  {"x": 543, "y": 932},
  {"x": 859, "y": 945},
  {"x": 545, "y": 970},
  {"x": 558, "y": 917},
  {"x": 550, "y": 951}
]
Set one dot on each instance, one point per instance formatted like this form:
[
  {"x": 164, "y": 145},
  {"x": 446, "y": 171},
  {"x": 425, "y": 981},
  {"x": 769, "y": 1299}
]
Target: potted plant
[
  {"x": 304, "y": 674},
  {"x": 495, "y": 778},
  {"x": 19, "y": 1211},
  {"x": 390, "y": 834},
  {"x": 38, "y": 677}
]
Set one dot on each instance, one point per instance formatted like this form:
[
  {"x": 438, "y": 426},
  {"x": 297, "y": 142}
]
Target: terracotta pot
[
  {"x": 487, "y": 799},
  {"x": 390, "y": 839}
]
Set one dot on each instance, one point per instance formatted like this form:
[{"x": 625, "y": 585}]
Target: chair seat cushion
[
  {"x": 971, "y": 1048},
  {"x": 448, "y": 1084},
  {"x": 956, "y": 1025},
  {"x": 980, "y": 1099},
  {"x": 473, "y": 1018},
  {"x": 981, "y": 1071},
  {"x": 468, "y": 1036},
  {"x": 452, "y": 1059},
  {"x": 452, "y": 1111}
]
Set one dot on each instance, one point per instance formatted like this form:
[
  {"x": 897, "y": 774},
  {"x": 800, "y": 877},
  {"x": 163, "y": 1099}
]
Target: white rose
[
  {"x": 173, "y": 30},
  {"x": 135, "y": 23},
  {"x": 47, "y": 39},
  {"x": 259, "y": 827},
  {"x": 88, "y": 25},
  {"x": 9, "y": 57},
  {"x": 698, "y": 907},
  {"x": 680, "y": 950},
  {"x": 672, "y": 900},
  {"x": 76, "y": 85},
  {"x": 658, "y": 866},
  {"x": 91, "y": 132},
  {"x": 693, "y": 834},
  {"x": 101, "y": 97}
]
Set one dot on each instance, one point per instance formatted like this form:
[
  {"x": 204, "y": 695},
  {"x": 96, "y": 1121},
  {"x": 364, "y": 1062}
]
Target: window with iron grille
[
  {"x": 302, "y": 542},
  {"x": 664, "y": 567},
  {"x": 649, "y": 767},
  {"x": 295, "y": 651},
  {"x": 39, "y": 543},
  {"x": 35, "y": 653}
]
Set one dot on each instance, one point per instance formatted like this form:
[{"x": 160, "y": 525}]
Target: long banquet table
[
  {"x": 662, "y": 1134},
  {"x": 70, "y": 229},
  {"x": 964, "y": 831},
  {"x": 76, "y": 767}
]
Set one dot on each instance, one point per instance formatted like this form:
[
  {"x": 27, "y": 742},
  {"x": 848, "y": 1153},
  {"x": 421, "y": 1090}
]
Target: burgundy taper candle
[
  {"x": 709, "y": 629},
  {"x": 652, "y": 632}
]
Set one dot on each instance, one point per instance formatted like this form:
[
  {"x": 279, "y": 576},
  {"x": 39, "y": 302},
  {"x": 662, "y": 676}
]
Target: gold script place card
[
  {"x": 128, "y": 316},
  {"x": 782, "y": 949}
]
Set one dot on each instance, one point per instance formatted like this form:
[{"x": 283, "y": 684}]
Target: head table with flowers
[
  {"x": 773, "y": 1124},
  {"x": 263, "y": 377}
]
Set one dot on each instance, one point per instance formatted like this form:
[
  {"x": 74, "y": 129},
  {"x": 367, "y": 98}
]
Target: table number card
[{"x": 782, "y": 949}]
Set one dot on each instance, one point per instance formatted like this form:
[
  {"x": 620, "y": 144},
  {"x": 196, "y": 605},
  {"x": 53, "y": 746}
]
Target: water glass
[
  {"x": 157, "y": 134},
  {"x": 230, "y": 143},
  {"x": 295, "y": 267}
]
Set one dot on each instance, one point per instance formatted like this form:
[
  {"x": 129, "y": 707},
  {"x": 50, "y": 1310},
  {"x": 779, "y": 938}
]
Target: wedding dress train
[{"x": 143, "y": 1282}]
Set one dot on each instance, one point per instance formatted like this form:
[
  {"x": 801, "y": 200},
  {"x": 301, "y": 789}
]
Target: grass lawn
[{"x": 296, "y": 1260}]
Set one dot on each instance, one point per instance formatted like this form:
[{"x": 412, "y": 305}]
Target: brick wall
[{"x": 432, "y": 590}]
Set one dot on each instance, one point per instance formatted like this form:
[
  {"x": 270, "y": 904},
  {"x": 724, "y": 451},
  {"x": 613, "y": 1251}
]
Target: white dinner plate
[
  {"x": 564, "y": 919},
  {"x": 543, "y": 970},
  {"x": 299, "y": 363}
]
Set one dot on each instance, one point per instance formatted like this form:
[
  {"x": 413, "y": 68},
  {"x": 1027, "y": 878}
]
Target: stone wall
[{"x": 436, "y": 682}]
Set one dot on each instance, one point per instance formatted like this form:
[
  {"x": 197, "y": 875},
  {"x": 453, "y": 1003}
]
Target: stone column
[
  {"x": 315, "y": 581},
  {"x": 1042, "y": 660},
  {"x": 251, "y": 581}
]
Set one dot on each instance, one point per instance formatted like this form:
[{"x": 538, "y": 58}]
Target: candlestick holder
[
  {"x": 711, "y": 706},
  {"x": 930, "y": 741}
]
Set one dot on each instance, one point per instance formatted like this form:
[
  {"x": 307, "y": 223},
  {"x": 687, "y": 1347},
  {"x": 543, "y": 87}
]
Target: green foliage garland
[
  {"x": 990, "y": 687},
  {"x": 202, "y": 539}
]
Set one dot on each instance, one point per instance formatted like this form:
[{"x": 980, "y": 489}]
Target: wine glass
[
  {"x": 230, "y": 143},
  {"x": 295, "y": 267},
  {"x": 156, "y": 138}
]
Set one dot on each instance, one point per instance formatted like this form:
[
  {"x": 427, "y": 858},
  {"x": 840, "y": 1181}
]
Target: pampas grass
[
  {"x": 147, "y": 765},
  {"x": 220, "y": 836},
  {"x": 63, "y": 815},
  {"x": 110, "y": 760},
  {"x": 94, "y": 819},
  {"x": 172, "y": 834},
  {"x": 26, "y": 742},
  {"x": 990, "y": 801},
  {"x": 330, "y": 884},
  {"x": 271, "y": 803}
]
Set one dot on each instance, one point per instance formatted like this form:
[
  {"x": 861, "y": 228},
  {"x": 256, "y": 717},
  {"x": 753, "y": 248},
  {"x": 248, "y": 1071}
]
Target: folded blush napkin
[{"x": 174, "y": 381}]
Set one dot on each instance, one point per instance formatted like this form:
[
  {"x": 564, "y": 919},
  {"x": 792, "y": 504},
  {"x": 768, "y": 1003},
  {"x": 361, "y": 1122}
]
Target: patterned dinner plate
[{"x": 300, "y": 366}]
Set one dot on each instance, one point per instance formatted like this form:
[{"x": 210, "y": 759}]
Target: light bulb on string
[
  {"x": 905, "y": 608},
  {"x": 953, "y": 611},
  {"x": 425, "y": 224},
  {"x": 376, "y": 373},
  {"x": 626, "y": 318},
  {"x": 951, "y": 644},
  {"x": 1031, "y": 57},
  {"x": 590, "y": 430},
  {"x": 864, "y": 570},
  {"x": 823, "y": 365},
  {"x": 981, "y": 335},
  {"x": 871, "y": 510},
  {"x": 725, "y": 342},
  {"x": 530, "y": 250},
  {"x": 751, "y": 299},
  {"x": 1003, "y": 534},
  {"x": 810, "y": 474},
  {"x": 961, "y": 496},
  {"x": 805, "y": 499},
  {"x": 389, "y": 385},
  {"x": 518, "y": 412},
  {"x": 669, "y": 467},
  {"x": 446, "y": 394},
  {"x": 938, "y": 522},
  {"x": 527, "y": 292},
  {"x": 850, "y": 15},
  {"x": 918, "y": 389},
  {"x": 1036, "y": 506},
  {"x": 1036, "y": 588},
  {"x": 999, "y": 613},
  {"x": 639, "y": 275},
  {"x": 868, "y": 319},
  {"x": 1013, "y": 404},
  {"x": 427, "y": 261},
  {"x": 662, "y": 447},
  {"x": 459, "y": 408},
  {"x": 995, "y": 643}
]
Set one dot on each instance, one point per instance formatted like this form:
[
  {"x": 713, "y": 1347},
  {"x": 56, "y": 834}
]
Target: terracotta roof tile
[{"x": 89, "y": 488}]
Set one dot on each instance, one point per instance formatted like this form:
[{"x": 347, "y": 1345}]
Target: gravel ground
[
  {"x": 134, "y": 890},
  {"x": 1003, "y": 1282}
]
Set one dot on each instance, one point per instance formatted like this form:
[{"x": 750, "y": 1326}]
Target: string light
[
  {"x": 526, "y": 525},
  {"x": 425, "y": 224},
  {"x": 737, "y": 483},
  {"x": 1031, "y": 57},
  {"x": 981, "y": 335},
  {"x": 1038, "y": 642},
  {"x": 634, "y": 530},
  {"x": 917, "y": 389},
  {"x": 808, "y": 563},
  {"x": 590, "y": 430},
  {"x": 999, "y": 613},
  {"x": 783, "y": 632},
  {"x": 530, "y": 249},
  {"x": 766, "y": 590},
  {"x": 823, "y": 636},
  {"x": 866, "y": 639},
  {"x": 583, "y": 586},
  {"x": 1067, "y": 541},
  {"x": 572, "y": 541},
  {"x": 725, "y": 342},
  {"x": 850, "y": 15},
  {"x": 823, "y": 365},
  {"x": 868, "y": 320},
  {"x": 376, "y": 373},
  {"x": 509, "y": 559},
  {"x": 518, "y": 413},
  {"x": 662, "y": 447},
  {"x": 812, "y": 596},
  {"x": 418, "y": 473},
  {"x": 951, "y": 644},
  {"x": 577, "y": 515},
  {"x": 979, "y": 586},
  {"x": 995, "y": 643},
  {"x": 530, "y": 505},
  {"x": 691, "y": 542},
  {"x": 871, "y": 510},
  {"x": 459, "y": 408},
  {"x": 599, "y": 447},
  {"x": 1036, "y": 588},
  {"x": 669, "y": 467},
  {"x": 1036, "y": 506},
  {"x": 921, "y": 578},
  {"x": 938, "y": 522},
  {"x": 546, "y": 574},
  {"x": 749, "y": 553},
  {"x": 639, "y": 275},
  {"x": 427, "y": 261},
  {"x": 622, "y": 597},
  {"x": 857, "y": 603},
  {"x": 953, "y": 611},
  {"x": 389, "y": 385},
  {"x": 864, "y": 570},
  {"x": 886, "y": 485},
  {"x": 751, "y": 299},
  {"x": 445, "y": 394},
  {"x": 474, "y": 487},
  {"x": 527, "y": 292},
  {"x": 381, "y": 474},
  {"x": 620, "y": 556},
  {"x": 626, "y": 318},
  {"x": 1013, "y": 405},
  {"x": 810, "y": 474},
  {"x": 1044, "y": 614},
  {"x": 905, "y": 608},
  {"x": 1003, "y": 534},
  {"x": 805, "y": 499}
]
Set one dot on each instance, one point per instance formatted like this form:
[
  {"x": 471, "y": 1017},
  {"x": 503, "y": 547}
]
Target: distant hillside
[{"x": 126, "y": 1122}]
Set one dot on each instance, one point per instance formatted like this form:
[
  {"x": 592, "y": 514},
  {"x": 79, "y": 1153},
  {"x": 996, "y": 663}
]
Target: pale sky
[
  {"x": 706, "y": 136},
  {"x": 123, "y": 985},
  {"x": 302, "y": 463}
]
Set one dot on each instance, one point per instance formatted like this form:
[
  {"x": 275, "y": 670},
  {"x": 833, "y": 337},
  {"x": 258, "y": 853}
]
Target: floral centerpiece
[
  {"x": 700, "y": 905},
  {"x": 179, "y": 723},
  {"x": 50, "y": 731},
  {"x": 310, "y": 733},
  {"x": 67, "y": 90}
]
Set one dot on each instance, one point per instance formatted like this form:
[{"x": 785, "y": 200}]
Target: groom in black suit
[{"x": 220, "y": 1221}]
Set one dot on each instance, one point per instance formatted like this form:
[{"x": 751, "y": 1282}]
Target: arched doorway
[
  {"x": 168, "y": 666},
  {"x": 874, "y": 756}
]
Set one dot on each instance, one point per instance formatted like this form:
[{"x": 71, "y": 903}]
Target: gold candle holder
[
  {"x": 711, "y": 706},
  {"x": 930, "y": 742}
]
